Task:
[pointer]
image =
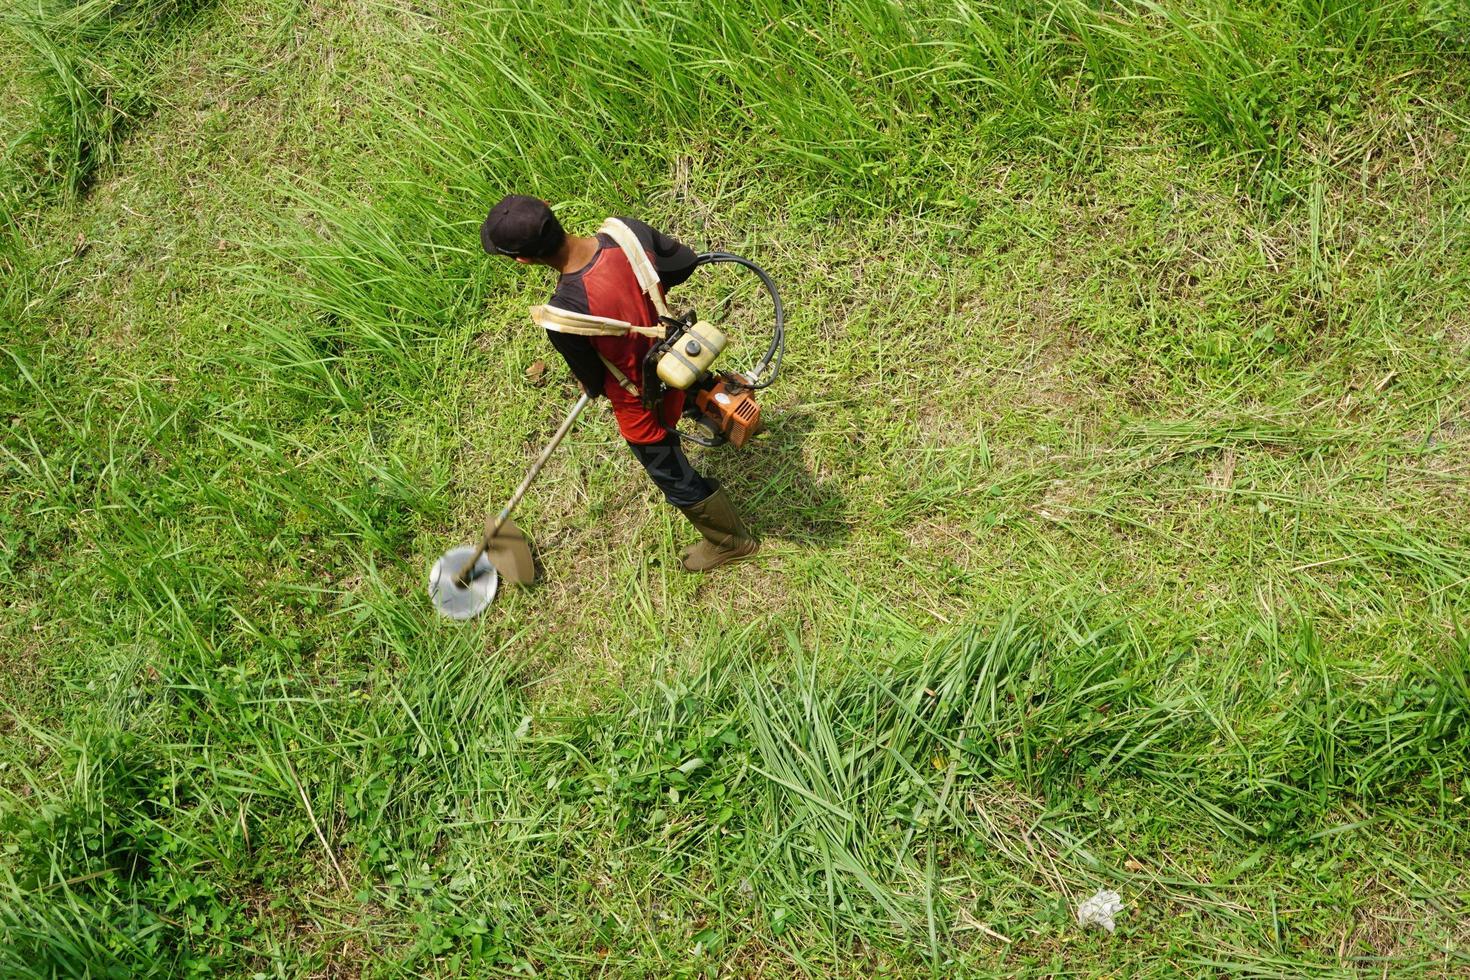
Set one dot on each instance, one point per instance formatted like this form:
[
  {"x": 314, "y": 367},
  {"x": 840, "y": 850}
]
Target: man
[{"x": 596, "y": 279}]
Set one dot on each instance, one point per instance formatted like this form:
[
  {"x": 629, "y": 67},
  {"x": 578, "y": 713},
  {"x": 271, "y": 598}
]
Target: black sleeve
[
  {"x": 673, "y": 259},
  {"x": 581, "y": 358},
  {"x": 577, "y": 351}
]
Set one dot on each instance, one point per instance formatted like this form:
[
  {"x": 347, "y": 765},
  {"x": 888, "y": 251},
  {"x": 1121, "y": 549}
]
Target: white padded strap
[
  {"x": 586, "y": 325},
  {"x": 638, "y": 259}
]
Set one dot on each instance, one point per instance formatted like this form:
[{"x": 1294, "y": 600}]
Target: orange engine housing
[{"x": 729, "y": 408}]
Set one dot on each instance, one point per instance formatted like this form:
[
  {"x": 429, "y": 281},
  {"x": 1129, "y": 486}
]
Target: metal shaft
[{"x": 494, "y": 524}]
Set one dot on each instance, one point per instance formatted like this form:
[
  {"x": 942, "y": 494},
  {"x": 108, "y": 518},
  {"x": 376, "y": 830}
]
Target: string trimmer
[{"x": 465, "y": 579}]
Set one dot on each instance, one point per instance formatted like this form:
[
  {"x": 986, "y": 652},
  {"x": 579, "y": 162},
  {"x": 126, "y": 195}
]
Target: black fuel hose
[{"x": 774, "y": 353}]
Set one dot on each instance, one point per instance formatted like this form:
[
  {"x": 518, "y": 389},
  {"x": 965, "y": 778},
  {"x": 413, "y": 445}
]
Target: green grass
[{"x": 1113, "y": 496}]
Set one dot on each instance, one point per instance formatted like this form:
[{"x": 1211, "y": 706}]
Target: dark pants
[{"x": 671, "y": 470}]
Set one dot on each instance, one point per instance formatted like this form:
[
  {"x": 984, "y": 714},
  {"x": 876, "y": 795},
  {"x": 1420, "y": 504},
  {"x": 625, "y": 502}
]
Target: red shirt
[{"x": 607, "y": 287}]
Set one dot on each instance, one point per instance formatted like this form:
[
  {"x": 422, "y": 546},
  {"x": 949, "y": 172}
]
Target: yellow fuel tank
[{"x": 690, "y": 357}]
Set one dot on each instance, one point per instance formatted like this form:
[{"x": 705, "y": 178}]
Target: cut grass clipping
[
  {"x": 91, "y": 65},
  {"x": 1113, "y": 494}
]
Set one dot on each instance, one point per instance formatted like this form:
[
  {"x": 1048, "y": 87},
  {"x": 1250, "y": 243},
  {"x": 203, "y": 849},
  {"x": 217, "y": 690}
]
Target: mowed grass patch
[{"x": 1056, "y": 341}]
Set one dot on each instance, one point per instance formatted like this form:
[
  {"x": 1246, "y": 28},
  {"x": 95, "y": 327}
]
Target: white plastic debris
[{"x": 1100, "y": 909}]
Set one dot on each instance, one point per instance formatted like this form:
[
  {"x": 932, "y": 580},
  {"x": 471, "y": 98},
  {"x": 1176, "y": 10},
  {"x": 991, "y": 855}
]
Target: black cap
[{"x": 521, "y": 226}]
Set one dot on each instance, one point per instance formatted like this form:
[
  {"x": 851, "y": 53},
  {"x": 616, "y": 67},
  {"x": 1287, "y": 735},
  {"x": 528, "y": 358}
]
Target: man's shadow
[{"x": 773, "y": 486}]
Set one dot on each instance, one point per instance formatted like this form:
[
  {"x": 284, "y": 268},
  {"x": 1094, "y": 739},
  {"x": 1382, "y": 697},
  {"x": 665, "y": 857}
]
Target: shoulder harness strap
[
  {"x": 638, "y": 259},
  {"x": 586, "y": 325}
]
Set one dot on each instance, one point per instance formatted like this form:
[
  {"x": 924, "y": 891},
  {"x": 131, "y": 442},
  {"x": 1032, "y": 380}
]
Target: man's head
[{"x": 523, "y": 228}]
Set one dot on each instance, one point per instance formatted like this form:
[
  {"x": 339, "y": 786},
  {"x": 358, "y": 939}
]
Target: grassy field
[{"x": 1114, "y": 495}]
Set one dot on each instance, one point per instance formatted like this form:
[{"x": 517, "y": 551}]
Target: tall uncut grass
[
  {"x": 788, "y": 801},
  {"x": 862, "y": 108}
]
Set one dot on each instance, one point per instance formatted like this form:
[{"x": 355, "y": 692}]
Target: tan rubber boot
[{"x": 726, "y": 538}]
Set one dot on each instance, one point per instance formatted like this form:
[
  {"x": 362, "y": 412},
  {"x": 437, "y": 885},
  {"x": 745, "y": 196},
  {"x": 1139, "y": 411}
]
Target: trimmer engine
[
  {"x": 723, "y": 402},
  {"x": 726, "y": 407}
]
